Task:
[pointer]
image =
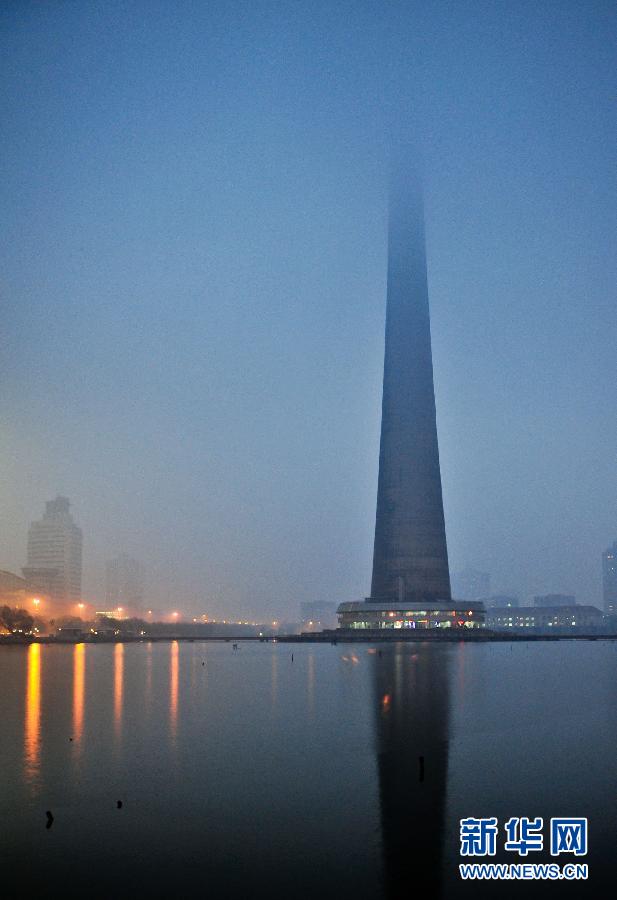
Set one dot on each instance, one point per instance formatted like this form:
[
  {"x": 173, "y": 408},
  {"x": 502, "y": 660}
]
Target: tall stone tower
[{"x": 410, "y": 561}]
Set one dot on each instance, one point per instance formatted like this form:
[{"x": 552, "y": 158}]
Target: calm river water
[{"x": 244, "y": 773}]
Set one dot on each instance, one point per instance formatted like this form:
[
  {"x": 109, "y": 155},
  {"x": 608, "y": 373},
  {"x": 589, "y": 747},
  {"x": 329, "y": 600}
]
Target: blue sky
[{"x": 193, "y": 286}]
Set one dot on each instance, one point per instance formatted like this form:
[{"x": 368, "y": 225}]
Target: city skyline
[
  {"x": 125, "y": 580},
  {"x": 193, "y": 289}
]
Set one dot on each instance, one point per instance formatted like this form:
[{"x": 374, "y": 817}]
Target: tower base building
[{"x": 371, "y": 616}]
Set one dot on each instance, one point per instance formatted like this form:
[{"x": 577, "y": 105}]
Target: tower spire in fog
[
  {"x": 410, "y": 561},
  {"x": 411, "y": 579}
]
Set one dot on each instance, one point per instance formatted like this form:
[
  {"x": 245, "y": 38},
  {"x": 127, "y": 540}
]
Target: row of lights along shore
[{"x": 81, "y": 606}]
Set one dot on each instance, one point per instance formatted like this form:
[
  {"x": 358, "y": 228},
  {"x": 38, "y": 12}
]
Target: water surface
[{"x": 243, "y": 771}]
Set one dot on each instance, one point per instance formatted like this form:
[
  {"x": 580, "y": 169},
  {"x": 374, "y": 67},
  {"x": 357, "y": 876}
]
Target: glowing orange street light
[
  {"x": 36, "y": 602},
  {"x": 81, "y": 605}
]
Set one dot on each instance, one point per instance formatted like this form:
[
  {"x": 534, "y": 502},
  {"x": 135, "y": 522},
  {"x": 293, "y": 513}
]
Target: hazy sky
[{"x": 193, "y": 286}]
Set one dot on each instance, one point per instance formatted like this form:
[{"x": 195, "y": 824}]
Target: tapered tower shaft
[{"x": 410, "y": 561}]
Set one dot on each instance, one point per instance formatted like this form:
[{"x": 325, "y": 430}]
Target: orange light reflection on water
[
  {"x": 148, "y": 675},
  {"x": 173, "y": 687},
  {"x": 118, "y": 685},
  {"x": 32, "y": 746},
  {"x": 79, "y": 686}
]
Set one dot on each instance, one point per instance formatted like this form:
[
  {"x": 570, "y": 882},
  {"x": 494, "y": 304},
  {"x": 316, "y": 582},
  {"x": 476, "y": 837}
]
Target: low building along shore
[
  {"x": 545, "y": 617},
  {"x": 364, "y": 615}
]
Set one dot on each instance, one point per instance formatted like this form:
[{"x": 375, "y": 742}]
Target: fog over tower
[{"x": 410, "y": 560}]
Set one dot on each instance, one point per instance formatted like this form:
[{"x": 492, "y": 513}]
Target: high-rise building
[
  {"x": 609, "y": 580},
  {"x": 124, "y": 583},
  {"x": 471, "y": 584},
  {"x": 54, "y": 553},
  {"x": 411, "y": 580}
]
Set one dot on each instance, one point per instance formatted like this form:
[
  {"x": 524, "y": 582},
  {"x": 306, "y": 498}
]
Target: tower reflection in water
[{"x": 411, "y": 685}]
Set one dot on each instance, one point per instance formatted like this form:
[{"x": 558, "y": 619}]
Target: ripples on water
[{"x": 341, "y": 773}]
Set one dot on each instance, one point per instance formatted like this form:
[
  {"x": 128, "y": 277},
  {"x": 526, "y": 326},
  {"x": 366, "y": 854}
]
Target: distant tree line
[{"x": 16, "y": 619}]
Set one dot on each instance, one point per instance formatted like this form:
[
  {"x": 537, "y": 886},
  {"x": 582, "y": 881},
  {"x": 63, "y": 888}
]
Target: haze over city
[{"x": 194, "y": 288}]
